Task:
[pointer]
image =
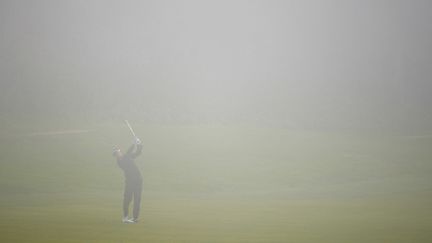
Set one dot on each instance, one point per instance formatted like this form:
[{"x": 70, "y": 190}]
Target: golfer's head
[{"x": 117, "y": 152}]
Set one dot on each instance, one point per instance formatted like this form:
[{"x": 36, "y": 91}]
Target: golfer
[{"x": 133, "y": 180}]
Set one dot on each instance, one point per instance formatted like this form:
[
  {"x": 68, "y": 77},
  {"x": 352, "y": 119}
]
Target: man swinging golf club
[{"x": 133, "y": 178}]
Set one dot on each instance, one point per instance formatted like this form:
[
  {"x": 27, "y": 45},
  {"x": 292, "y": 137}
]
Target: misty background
[{"x": 301, "y": 64}]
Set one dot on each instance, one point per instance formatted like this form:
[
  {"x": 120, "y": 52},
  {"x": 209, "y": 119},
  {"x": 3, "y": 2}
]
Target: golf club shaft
[{"x": 130, "y": 128}]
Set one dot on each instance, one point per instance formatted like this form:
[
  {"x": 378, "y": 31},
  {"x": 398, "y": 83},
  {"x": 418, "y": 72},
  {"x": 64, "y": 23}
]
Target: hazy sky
[{"x": 296, "y": 63}]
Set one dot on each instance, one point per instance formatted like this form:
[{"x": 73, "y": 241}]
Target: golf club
[{"x": 130, "y": 128}]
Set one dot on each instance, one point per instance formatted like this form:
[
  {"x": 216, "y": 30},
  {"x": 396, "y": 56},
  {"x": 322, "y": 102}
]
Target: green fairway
[{"x": 215, "y": 184}]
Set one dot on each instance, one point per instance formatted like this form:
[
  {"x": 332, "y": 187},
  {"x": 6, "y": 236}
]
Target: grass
[{"x": 217, "y": 184}]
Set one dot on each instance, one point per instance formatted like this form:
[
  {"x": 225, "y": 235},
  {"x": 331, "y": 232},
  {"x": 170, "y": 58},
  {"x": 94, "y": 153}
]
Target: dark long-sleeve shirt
[{"x": 127, "y": 164}]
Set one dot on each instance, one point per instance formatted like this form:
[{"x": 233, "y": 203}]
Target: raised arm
[
  {"x": 139, "y": 147},
  {"x": 130, "y": 150},
  {"x": 138, "y": 151}
]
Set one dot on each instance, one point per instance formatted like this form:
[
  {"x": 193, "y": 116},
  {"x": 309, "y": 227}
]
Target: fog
[
  {"x": 300, "y": 64},
  {"x": 260, "y": 121}
]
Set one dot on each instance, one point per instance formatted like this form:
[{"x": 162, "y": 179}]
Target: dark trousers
[{"x": 132, "y": 190}]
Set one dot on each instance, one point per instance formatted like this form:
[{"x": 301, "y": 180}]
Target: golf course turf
[{"x": 216, "y": 184}]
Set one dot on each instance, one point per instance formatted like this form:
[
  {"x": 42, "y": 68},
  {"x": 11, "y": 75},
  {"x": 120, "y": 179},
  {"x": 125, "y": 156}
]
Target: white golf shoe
[{"x": 126, "y": 220}]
